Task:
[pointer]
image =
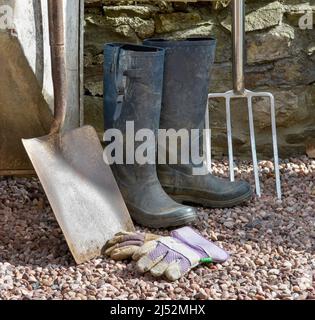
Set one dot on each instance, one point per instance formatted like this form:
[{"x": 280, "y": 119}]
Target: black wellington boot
[
  {"x": 132, "y": 93},
  {"x": 188, "y": 65}
]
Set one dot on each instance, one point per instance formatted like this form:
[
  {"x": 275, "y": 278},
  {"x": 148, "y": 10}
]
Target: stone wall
[{"x": 281, "y": 59}]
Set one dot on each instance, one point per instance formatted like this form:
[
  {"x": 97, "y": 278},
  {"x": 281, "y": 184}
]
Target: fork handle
[{"x": 238, "y": 34}]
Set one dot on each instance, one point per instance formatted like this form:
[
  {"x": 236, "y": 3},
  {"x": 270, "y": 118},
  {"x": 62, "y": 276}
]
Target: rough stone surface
[
  {"x": 280, "y": 56},
  {"x": 170, "y": 22},
  {"x": 259, "y": 16},
  {"x": 143, "y": 11},
  {"x": 260, "y": 50},
  {"x": 294, "y": 11}
]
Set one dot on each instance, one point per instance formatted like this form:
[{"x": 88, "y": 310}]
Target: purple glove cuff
[{"x": 204, "y": 247}]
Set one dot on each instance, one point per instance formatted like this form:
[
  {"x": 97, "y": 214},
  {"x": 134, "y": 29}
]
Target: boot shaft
[
  {"x": 188, "y": 65},
  {"x": 133, "y": 82}
]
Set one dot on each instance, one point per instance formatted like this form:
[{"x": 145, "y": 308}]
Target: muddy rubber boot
[
  {"x": 132, "y": 96},
  {"x": 188, "y": 65}
]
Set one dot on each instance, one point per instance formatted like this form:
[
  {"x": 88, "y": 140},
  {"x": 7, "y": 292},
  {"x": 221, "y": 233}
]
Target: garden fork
[{"x": 239, "y": 92}]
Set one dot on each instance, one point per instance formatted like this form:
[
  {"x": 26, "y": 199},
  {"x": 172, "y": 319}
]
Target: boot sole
[
  {"x": 164, "y": 223},
  {"x": 212, "y": 203}
]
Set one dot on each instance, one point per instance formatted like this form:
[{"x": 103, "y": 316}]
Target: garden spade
[{"x": 79, "y": 185}]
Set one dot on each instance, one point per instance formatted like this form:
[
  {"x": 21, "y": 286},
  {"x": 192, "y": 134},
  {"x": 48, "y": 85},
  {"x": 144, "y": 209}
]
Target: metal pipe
[{"x": 238, "y": 48}]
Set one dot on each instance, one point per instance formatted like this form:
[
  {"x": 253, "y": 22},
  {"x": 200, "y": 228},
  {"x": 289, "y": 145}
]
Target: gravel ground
[{"x": 272, "y": 245}]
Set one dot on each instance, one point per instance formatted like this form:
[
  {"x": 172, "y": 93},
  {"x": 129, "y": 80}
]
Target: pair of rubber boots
[{"x": 162, "y": 85}]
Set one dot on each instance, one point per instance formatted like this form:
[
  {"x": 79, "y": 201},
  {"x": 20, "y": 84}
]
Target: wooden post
[{"x": 74, "y": 15}]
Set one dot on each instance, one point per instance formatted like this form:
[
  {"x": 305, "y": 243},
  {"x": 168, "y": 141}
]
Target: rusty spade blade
[{"x": 79, "y": 185}]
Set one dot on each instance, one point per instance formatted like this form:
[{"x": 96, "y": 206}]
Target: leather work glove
[
  {"x": 175, "y": 255},
  {"x": 125, "y": 244}
]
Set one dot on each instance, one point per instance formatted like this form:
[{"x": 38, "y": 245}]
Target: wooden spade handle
[{"x": 58, "y": 62}]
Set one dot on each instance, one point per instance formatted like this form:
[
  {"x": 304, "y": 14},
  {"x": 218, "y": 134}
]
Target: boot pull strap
[
  {"x": 121, "y": 88},
  {"x": 120, "y": 83},
  {"x": 119, "y": 74},
  {"x": 115, "y": 68}
]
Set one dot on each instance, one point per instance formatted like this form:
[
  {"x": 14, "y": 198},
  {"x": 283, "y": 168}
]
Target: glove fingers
[
  {"x": 145, "y": 249},
  {"x": 123, "y": 253},
  {"x": 123, "y": 233},
  {"x": 172, "y": 266},
  {"x": 125, "y": 236},
  {"x": 146, "y": 263},
  {"x": 118, "y": 238},
  {"x": 134, "y": 237},
  {"x": 151, "y": 236},
  {"x": 159, "y": 269},
  {"x": 174, "y": 271},
  {"x": 110, "y": 249},
  {"x": 152, "y": 257},
  {"x": 137, "y": 243}
]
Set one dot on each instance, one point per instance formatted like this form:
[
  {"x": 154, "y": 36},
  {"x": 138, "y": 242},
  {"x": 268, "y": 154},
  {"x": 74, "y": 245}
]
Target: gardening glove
[
  {"x": 125, "y": 244},
  {"x": 175, "y": 255}
]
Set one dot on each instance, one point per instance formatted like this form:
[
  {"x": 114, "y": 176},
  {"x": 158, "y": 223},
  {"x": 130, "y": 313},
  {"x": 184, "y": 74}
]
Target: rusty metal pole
[{"x": 57, "y": 47}]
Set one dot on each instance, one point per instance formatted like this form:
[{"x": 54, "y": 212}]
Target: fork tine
[
  {"x": 208, "y": 140},
  {"x": 275, "y": 145},
  {"x": 229, "y": 136},
  {"x": 253, "y": 144},
  {"x": 249, "y": 95}
]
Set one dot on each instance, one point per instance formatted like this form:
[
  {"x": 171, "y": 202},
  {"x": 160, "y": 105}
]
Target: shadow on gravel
[{"x": 29, "y": 233}]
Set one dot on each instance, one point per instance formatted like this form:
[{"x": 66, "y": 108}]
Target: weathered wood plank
[
  {"x": 31, "y": 24},
  {"x": 74, "y": 58},
  {"x": 23, "y": 111}
]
